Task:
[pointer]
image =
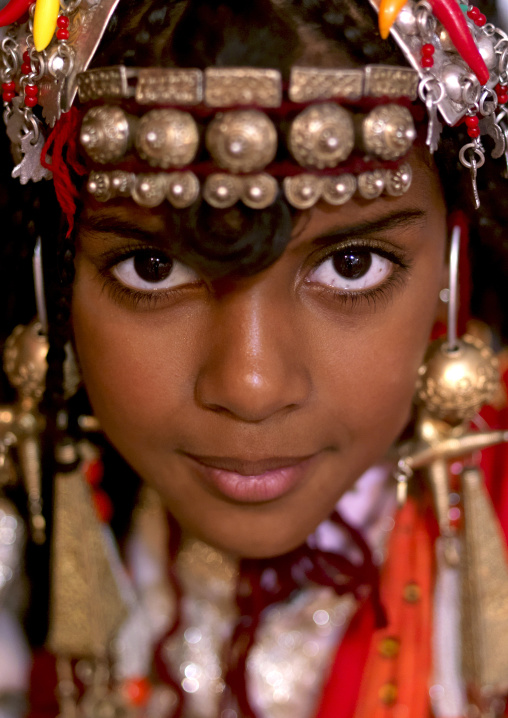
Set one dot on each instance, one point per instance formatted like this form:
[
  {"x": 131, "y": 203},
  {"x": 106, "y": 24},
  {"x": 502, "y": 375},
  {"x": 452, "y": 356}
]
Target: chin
[{"x": 254, "y": 538}]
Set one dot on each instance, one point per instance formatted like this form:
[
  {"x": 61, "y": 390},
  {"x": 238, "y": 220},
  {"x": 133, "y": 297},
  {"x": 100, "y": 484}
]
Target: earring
[
  {"x": 459, "y": 376},
  {"x": 21, "y": 424}
]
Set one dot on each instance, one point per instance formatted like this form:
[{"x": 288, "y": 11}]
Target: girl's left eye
[
  {"x": 352, "y": 270},
  {"x": 151, "y": 271}
]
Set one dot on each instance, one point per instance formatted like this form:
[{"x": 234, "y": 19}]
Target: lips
[{"x": 252, "y": 481}]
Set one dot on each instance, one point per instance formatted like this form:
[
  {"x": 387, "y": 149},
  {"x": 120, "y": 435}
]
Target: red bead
[
  {"x": 472, "y": 121},
  {"x": 473, "y": 12},
  {"x": 62, "y": 34},
  {"x": 30, "y": 101},
  {"x": 427, "y": 61},
  {"x": 8, "y": 86},
  {"x": 26, "y": 68},
  {"x": 93, "y": 471},
  {"x": 473, "y": 132},
  {"x": 480, "y": 20},
  {"x": 63, "y": 21},
  {"x": 428, "y": 49},
  {"x": 501, "y": 89},
  {"x": 31, "y": 90},
  {"x": 8, "y": 96},
  {"x": 137, "y": 690},
  {"x": 103, "y": 506},
  {"x": 502, "y": 98},
  {"x": 26, "y": 57}
]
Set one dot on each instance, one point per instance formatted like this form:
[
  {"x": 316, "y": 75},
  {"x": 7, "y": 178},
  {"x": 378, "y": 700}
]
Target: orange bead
[
  {"x": 137, "y": 690},
  {"x": 103, "y": 506}
]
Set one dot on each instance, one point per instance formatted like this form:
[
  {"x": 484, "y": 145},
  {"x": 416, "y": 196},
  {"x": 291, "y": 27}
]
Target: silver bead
[
  {"x": 322, "y": 136},
  {"x": 242, "y": 140},
  {"x": 259, "y": 191},
  {"x": 183, "y": 189},
  {"x": 221, "y": 190},
  {"x": 397, "y": 182},
  {"x": 406, "y": 19},
  {"x": 121, "y": 183},
  {"x": 150, "y": 189},
  {"x": 338, "y": 190},
  {"x": 105, "y": 134},
  {"x": 303, "y": 191},
  {"x": 388, "y": 131},
  {"x": 99, "y": 186},
  {"x": 486, "y": 48},
  {"x": 452, "y": 78},
  {"x": 167, "y": 138},
  {"x": 371, "y": 184}
]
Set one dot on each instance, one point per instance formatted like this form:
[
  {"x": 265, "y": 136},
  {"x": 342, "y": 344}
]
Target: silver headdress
[{"x": 349, "y": 130}]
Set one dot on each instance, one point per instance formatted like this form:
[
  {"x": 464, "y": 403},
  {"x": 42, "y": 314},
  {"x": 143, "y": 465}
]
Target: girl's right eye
[{"x": 152, "y": 271}]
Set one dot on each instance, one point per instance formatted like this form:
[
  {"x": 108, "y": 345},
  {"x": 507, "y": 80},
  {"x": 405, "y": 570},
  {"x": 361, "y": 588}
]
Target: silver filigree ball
[{"x": 322, "y": 136}]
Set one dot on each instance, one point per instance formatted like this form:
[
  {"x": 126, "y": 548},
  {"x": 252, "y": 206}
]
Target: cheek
[
  {"x": 370, "y": 369},
  {"x": 136, "y": 368}
]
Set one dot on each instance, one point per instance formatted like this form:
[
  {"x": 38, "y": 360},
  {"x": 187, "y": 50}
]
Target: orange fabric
[{"x": 393, "y": 681}]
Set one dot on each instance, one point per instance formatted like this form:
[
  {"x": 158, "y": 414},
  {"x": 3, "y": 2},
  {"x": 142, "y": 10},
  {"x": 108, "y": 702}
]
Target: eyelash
[
  {"x": 351, "y": 299},
  {"x": 373, "y": 295},
  {"x": 123, "y": 294}
]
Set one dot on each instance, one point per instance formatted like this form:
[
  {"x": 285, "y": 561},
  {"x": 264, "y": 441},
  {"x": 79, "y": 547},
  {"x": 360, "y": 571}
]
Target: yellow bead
[
  {"x": 388, "y": 694},
  {"x": 45, "y": 17},
  {"x": 412, "y": 592},
  {"x": 389, "y": 647},
  {"x": 388, "y": 11}
]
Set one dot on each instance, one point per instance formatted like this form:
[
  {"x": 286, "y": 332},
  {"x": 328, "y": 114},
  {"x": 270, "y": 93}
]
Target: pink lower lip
[{"x": 267, "y": 486}]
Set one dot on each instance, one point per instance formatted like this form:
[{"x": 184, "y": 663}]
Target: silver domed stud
[
  {"x": 338, "y": 190},
  {"x": 397, "y": 182},
  {"x": 406, "y": 19},
  {"x": 150, "y": 189},
  {"x": 242, "y": 140},
  {"x": 105, "y": 134},
  {"x": 221, "y": 190},
  {"x": 99, "y": 186},
  {"x": 322, "y": 136},
  {"x": 487, "y": 51},
  {"x": 303, "y": 191},
  {"x": 121, "y": 183},
  {"x": 259, "y": 191},
  {"x": 452, "y": 77},
  {"x": 371, "y": 184},
  {"x": 167, "y": 138},
  {"x": 183, "y": 189},
  {"x": 388, "y": 131}
]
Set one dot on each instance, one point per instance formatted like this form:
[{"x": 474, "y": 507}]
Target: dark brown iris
[
  {"x": 352, "y": 264},
  {"x": 152, "y": 267}
]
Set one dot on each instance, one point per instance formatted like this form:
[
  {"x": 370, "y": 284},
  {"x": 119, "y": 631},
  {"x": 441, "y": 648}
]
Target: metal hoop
[
  {"x": 471, "y": 91},
  {"x": 488, "y": 102},
  {"x": 425, "y": 21},
  {"x": 453, "y": 300},
  {"x": 503, "y": 61},
  {"x": 465, "y": 162},
  {"x": 424, "y": 84},
  {"x": 69, "y": 6}
]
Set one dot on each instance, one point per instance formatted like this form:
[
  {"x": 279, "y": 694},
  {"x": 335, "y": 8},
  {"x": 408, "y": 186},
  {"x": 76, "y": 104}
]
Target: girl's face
[{"x": 253, "y": 404}]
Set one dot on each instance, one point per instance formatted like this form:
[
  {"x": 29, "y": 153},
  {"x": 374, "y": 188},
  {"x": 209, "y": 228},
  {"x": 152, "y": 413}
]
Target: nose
[{"x": 255, "y": 367}]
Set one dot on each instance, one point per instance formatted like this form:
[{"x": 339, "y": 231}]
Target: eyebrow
[
  {"x": 401, "y": 219},
  {"x": 124, "y": 227},
  {"x": 120, "y": 226}
]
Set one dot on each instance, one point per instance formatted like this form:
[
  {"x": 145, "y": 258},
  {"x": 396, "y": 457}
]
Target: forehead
[{"x": 126, "y": 217}]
